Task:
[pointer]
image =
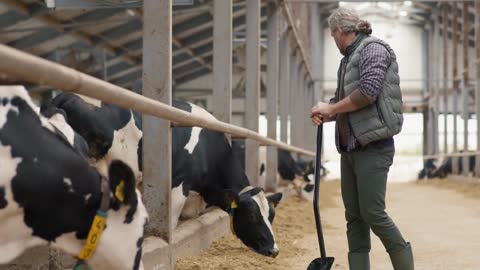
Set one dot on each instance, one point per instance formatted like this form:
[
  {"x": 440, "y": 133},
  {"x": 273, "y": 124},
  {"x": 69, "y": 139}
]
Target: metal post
[
  {"x": 317, "y": 47},
  {"x": 157, "y": 84},
  {"x": 466, "y": 109},
  {"x": 436, "y": 72},
  {"x": 104, "y": 65},
  {"x": 292, "y": 92},
  {"x": 307, "y": 105},
  {"x": 445, "y": 77},
  {"x": 298, "y": 112},
  {"x": 455, "y": 86},
  {"x": 222, "y": 60},
  {"x": 252, "y": 90},
  {"x": 427, "y": 119},
  {"x": 477, "y": 84},
  {"x": 284, "y": 86},
  {"x": 272, "y": 96}
]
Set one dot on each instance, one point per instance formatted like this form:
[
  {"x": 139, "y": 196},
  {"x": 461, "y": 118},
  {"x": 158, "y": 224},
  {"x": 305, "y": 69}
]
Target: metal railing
[{"x": 36, "y": 70}]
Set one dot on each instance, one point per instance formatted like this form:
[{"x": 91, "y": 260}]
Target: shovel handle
[{"x": 318, "y": 163}]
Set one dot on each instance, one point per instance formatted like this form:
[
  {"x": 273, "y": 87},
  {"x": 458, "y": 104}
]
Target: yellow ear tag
[
  {"x": 96, "y": 230},
  {"x": 233, "y": 206},
  {"x": 119, "y": 191}
]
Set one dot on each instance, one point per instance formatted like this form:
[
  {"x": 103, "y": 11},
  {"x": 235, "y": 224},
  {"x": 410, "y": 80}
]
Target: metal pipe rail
[
  {"x": 458, "y": 154},
  {"x": 43, "y": 72}
]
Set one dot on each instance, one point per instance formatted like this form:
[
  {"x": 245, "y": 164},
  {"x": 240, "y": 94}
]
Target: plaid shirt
[{"x": 374, "y": 62}]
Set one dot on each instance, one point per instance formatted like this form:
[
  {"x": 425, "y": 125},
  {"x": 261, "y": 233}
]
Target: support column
[
  {"x": 477, "y": 82},
  {"x": 157, "y": 84},
  {"x": 284, "y": 86},
  {"x": 465, "y": 84},
  {"x": 252, "y": 90},
  {"x": 292, "y": 92},
  {"x": 222, "y": 60},
  {"x": 272, "y": 96},
  {"x": 445, "y": 77},
  {"x": 436, "y": 84},
  {"x": 298, "y": 112},
  {"x": 427, "y": 92},
  {"x": 455, "y": 169},
  {"x": 317, "y": 50}
]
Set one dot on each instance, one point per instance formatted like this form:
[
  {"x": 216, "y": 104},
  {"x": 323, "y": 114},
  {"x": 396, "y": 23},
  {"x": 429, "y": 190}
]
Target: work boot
[
  {"x": 403, "y": 259},
  {"x": 359, "y": 261}
]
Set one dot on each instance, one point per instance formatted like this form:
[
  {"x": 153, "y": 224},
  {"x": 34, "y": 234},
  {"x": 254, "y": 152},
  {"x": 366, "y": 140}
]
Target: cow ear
[
  {"x": 275, "y": 198},
  {"x": 122, "y": 183}
]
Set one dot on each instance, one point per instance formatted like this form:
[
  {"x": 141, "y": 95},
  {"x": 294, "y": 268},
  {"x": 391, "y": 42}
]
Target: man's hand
[
  {"x": 317, "y": 120},
  {"x": 324, "y": 109},
  {"x": 321, "y": 113}
]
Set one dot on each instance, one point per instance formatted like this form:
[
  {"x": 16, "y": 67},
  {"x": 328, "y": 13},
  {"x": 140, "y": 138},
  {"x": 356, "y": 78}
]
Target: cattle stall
[
  {"x": 451, "y": 91},
  {"x": 292, "y": 85}
]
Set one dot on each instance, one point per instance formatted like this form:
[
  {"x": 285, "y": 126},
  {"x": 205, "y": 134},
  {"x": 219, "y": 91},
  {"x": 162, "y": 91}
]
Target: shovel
[{"x": 324, "y": 262}]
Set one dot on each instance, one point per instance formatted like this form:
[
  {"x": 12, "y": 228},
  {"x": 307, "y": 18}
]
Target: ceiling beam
[{"x": 51, "y": 21}]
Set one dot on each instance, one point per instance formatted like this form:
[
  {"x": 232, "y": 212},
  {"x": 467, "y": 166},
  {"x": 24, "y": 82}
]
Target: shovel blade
[{"x": 321, "y": 264}]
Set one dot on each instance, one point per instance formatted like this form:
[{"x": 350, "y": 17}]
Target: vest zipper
[{"x": 379, "y": 113}]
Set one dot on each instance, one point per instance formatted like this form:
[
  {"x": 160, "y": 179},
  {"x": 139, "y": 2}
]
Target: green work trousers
[{"x": 364, "y": 174}]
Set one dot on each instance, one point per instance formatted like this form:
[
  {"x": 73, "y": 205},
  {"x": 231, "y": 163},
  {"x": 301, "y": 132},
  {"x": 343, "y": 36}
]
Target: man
[{"x": 367, "y": 108}]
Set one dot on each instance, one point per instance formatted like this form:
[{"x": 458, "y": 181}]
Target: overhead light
[
  {"x": 342, "y": 4},
  {"x": 363, "y": 6},
  {"x": 385, "y": 6},
  {"x": 407, "y": 3},
  {"x": 403, "y": 13}
]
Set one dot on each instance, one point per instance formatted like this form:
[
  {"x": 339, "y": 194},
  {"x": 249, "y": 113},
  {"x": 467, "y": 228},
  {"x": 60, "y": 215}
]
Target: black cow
[
  {"x": 298, "y": 174},
  {"x": 429, "y": 167},
  {"x": 50, "y": 194},
  {"x": 446, "y": 167},
  {"x": 203, "y": 163}
]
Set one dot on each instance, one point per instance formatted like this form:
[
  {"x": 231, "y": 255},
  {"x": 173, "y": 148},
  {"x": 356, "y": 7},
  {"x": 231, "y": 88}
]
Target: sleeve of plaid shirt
[{"x": 374, "y": 61}]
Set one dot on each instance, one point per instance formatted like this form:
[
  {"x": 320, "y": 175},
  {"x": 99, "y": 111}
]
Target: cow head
[
  {"x": 307, "y": 170},
  {"x": 252, "y": 214},
  {"x": 120, "y": 246}
]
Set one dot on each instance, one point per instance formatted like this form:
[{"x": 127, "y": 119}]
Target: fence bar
[
  {"x": 222, "y": 60},
  {"x": 272, "y": 96},
  {"x": 157, "y": 84}
]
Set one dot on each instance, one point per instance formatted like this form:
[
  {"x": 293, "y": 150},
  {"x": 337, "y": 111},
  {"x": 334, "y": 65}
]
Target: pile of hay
[{"x": 294, "y": 220}]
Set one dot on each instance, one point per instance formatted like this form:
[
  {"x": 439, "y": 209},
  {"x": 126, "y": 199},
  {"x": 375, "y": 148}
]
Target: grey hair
[{"x": 348, "y": 21}]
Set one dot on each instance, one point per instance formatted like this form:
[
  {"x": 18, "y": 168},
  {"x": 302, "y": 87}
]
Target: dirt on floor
[
  {"x": 439, "y": 217},
  {"x": 469, "y": 189},
  {"x": 294, "y": 219}
]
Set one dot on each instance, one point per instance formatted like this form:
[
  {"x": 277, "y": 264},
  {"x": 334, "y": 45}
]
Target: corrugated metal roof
[{"x": 29, "y": 25}]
